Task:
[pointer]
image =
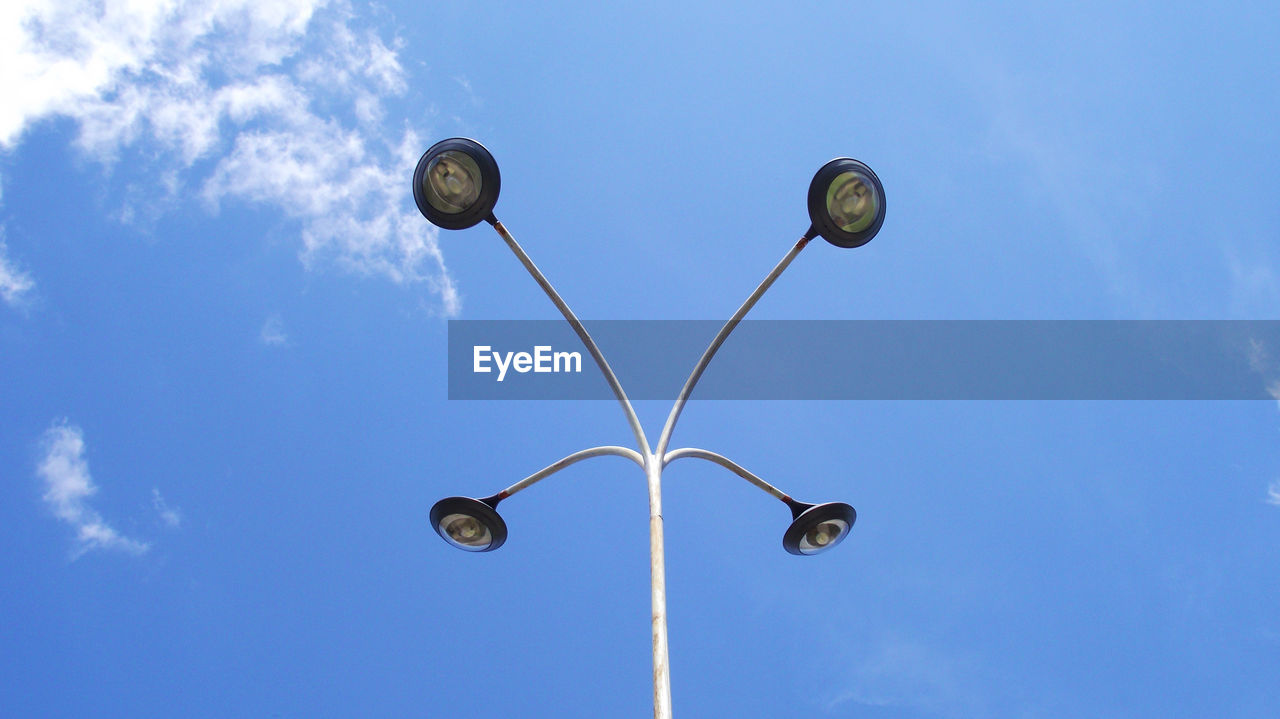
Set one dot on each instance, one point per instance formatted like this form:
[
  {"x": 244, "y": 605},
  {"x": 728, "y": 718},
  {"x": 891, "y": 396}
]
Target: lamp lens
[
  {"x": 823, "y": 536},
  {"x": 852, "y": 202},
  {"x": 466, "y": 532},
  {"x": 452, "y": 182}
]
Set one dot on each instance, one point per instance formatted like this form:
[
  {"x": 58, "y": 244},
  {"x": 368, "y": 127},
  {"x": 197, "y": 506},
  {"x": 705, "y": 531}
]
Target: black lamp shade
[
  {"x": 817, "y": 528},
  {"x": 468, "y": 524},
  {"x": 456, "y": 183},
  {"x": 846, "y": 203}
]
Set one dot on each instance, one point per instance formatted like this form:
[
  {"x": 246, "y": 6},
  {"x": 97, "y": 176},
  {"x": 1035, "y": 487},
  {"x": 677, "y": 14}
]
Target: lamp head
[
  {"x": 469, "y": 524},
  {"x": 846, "y": 203},
  {"x": 456, "y": 183},
  {"x": 816, "y": 528}
]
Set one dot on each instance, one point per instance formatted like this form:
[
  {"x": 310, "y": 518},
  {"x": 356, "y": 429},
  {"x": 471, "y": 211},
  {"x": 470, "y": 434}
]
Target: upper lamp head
[
  {"x": 818, "y": 527},
  {"x": 846, "y": 203},
  {"x": 468, "y": 524},
  {"x": 456, "y": 183}
]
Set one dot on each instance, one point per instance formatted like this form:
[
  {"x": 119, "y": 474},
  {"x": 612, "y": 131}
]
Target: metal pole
[
  {"x": 658, "y": 581},
  {"x": 641, "y": 441},
  {"x": 655, "y": 460},
  {"x": 653, "y": 471},
  {"x": 730, "y": 465},
  {"x": 572, "y": 459},
  {"x": 665, "y": 438}
]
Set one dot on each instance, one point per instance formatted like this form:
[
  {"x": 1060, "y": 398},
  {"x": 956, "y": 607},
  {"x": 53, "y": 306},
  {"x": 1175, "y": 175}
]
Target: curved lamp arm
[
  {"x": 583, "y": 335},
  {"x": 574, "y": 458},
  {"x": 729, "y": 465},
  {"x": 698, "y": 369}
]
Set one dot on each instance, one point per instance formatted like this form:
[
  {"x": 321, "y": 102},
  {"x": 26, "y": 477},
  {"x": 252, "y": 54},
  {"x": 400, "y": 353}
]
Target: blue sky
[{"x": 223, "y": 382}]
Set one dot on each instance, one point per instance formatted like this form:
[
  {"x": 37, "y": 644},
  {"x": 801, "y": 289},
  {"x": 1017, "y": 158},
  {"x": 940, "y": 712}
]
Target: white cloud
[
  {"x": 133, "y": 61},
  {"x": 68, "y": 488},
  {"x": 1273, "y": 493},
  {"x": 171, "y": 516},
  {"x": 272, "y": 334},
  {"x": 275, "y": 103},
  {"x": 14, "y": 283}
]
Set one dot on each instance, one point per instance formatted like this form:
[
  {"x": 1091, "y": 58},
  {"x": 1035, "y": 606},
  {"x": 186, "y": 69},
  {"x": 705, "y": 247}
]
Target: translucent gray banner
[{"x": 926, "y": 359}]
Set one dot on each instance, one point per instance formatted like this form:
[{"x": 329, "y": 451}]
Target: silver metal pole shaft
[
  {"x": 653, "y": 471},
  {"x": 658, "y": 581},
  {"x": 654, "y": 461}
]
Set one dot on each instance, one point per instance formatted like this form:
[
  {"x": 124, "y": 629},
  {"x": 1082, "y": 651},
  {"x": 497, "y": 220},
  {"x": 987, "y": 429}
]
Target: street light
[
  {"x": 455, "y": 186},
  {"x": 846, "y": 202},
  {"x": 473, "y": 525},
  {"x": 817, "y": 527},
  {"x": 456, "y": 183}
]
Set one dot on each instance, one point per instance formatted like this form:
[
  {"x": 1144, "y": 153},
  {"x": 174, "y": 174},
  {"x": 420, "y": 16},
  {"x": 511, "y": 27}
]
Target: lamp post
[{"x": 456, "y": 184}]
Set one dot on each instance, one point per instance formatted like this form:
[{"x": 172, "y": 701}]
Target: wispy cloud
[
  {"x": 1260, "y": 361},
  {"x": 272, "y": 333},
  {"x": 68, "y": 487},
  {"x": 14, "y": 283},
  {"x": 915, "y": 676},
  {"x": 1255, "y": 289},
  {"x": 171, "y": 516},
  {"x": 276, "y": 103}
]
